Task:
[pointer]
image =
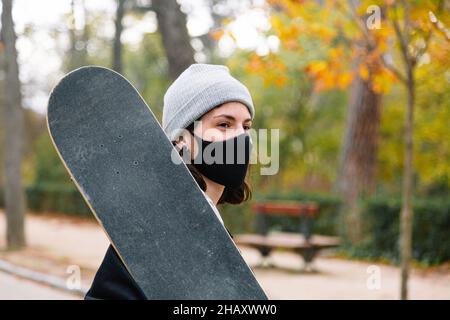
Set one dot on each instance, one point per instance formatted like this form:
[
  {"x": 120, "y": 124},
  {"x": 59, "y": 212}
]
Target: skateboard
[{"x": 152, "y": 210}]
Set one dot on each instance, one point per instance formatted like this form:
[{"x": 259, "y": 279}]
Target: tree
[
  {"x": 77, "y": 54},
  {"x": 175, "y": 37},
  {"x": 117, "y": 44},
  {"x": 413, "y": 24},
  {"x": 15, "y": 203},
  {"x": 174, "y": 33},
  {"x": 356, "y": 177}
]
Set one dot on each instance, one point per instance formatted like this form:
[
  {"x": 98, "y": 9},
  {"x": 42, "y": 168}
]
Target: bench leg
[
  {"x": 308, "y": 256},
  {"x": 266, "y": 262},
  {"x": 265, "y": 257}
]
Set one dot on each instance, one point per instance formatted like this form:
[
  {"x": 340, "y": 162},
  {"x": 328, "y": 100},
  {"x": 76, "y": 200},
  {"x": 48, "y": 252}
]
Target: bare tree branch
[
  {"x": 393, "y": 69},
  {"x": 400, "y": 36},
  {"x": 141, "y": 9}
]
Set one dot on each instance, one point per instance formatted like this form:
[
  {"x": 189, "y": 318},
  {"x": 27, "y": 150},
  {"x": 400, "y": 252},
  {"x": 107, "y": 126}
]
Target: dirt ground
[{"x": 56, "y": 244}]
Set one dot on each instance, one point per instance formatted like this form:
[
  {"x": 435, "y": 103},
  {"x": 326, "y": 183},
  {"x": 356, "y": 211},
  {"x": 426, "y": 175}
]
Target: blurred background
[{"x": 360, "y": 91}]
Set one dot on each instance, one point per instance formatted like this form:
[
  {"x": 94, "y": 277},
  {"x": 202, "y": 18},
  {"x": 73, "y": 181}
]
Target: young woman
[{"x": 205, "y": 109}]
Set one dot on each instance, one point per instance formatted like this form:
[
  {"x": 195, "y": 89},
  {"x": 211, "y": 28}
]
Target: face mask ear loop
[{"x": 199, "y": 142}]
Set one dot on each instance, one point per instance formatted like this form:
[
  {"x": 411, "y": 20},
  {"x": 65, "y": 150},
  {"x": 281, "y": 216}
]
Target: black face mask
[{"x": 212, "y": 160}]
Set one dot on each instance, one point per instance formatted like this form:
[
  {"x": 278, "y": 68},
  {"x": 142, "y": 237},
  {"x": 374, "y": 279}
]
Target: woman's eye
[
  {"x": 224, "y": 125},
  {"x": 246, "y": 127}
]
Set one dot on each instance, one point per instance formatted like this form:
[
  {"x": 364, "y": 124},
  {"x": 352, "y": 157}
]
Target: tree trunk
[
  {"x": 15, "y": 206},
  {"x": 73, "y": 38},
  {"x": 407, "y": 211},
  {"x": 209, "y": 44},
  {"x": 117, "y": 45},
  {"x": 78, "y": 43},
  {"x": 356, "y": 176},
  {"x": 175, "y": 37}
]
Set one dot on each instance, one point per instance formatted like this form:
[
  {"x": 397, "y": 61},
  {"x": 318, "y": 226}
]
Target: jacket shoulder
[{"x": 113, "y": 281}]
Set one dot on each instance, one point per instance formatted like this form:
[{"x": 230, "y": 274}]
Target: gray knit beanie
[{"x": 200, "y": 88}]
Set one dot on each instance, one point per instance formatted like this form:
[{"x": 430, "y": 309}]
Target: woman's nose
[
  {"x": 240, "y": 130},
  {"x": 234, "y": 132}
]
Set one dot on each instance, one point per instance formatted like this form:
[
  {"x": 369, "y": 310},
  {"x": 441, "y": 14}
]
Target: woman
[{"x": 205, "y": 108}]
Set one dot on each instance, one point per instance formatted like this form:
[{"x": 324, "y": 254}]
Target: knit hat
[{"x": 197, "y": 90}]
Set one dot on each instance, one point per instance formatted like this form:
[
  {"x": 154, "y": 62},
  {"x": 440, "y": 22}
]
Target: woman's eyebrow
[{"x": 230, "y": 117}]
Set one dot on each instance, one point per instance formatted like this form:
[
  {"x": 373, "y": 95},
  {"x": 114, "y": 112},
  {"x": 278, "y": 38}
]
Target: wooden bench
[{"x": 303, "y": 243}]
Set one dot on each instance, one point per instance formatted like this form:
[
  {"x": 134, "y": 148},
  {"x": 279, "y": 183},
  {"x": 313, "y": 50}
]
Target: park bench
[{"x": 304, "y": 243}]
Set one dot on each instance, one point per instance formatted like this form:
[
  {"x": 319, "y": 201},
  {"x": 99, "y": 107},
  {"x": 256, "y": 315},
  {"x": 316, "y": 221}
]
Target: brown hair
[{"x": 230, "y": 195}]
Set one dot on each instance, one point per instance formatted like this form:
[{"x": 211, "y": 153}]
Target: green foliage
[
  {"x": 49, "y": 168},
  {"x": 310, "y": 125},
  {"x": 52, "y": 189},
  {"x": 57, "y": 198},
  {"x": 237, "y": 218},
  {"x": 431, "y": 239},
  {"x": 431, "y": 135},
  {"x": 147, "y": 69}
]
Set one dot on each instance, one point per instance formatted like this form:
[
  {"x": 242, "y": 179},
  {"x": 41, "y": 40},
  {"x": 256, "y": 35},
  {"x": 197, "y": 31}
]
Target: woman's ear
[
  {"x": 182, "y": 145},
  {"x": 179, "y": 143},
  {"x": 185, "y": 142}
]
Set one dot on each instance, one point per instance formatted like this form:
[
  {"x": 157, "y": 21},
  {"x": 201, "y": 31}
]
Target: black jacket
[{"x": 113, "y": 281}]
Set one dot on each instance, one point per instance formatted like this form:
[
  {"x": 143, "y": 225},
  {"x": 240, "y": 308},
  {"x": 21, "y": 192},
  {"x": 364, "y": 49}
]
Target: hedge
[
  {"x": 431, "y": 230},
  {"x": 54, "y": 198}
]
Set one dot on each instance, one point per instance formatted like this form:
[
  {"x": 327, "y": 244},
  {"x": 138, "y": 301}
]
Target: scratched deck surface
[{"x": 152, "y": 210}]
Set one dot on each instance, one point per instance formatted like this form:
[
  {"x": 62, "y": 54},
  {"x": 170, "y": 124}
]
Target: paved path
[
  {"x": 12, "y": 288},
  {"x": 343, "y": 279}
]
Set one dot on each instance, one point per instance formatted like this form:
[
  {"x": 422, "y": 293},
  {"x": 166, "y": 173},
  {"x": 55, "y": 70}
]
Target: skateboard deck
[{"x": 154, "y": 213}]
